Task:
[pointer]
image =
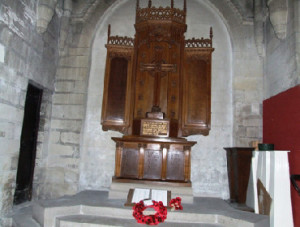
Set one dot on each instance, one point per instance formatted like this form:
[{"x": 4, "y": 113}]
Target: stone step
[
  {"x": 22, "y": 216},
  {"x": 120, "y": 190},
  {"x": 97, "y": 206},
  {"x": 24, "y": 220},
  {"x": 96, "y": 221}
]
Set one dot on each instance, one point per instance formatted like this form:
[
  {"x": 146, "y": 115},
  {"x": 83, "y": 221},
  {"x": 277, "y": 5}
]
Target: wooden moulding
[
  {"x": 153, "y": 182},
  {"x": 161, "y": 140}
]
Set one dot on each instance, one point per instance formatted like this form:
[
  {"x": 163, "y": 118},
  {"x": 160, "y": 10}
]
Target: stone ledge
[
  {"x": 95, "y": 221},
  {"x": 120, "y": 191},
  {"x": 211, "y": 211}
]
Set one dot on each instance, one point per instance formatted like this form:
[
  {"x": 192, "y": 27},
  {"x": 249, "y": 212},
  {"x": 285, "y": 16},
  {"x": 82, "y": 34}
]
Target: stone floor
[{"x": 94, "y": 209}]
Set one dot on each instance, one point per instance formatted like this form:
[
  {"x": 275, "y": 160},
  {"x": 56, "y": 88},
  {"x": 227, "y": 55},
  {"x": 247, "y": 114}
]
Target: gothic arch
[{"x": 98, "y": 144}]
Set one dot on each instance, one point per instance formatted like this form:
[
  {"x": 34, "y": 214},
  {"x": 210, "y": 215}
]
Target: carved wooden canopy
[{"x": 158, "y": 68}]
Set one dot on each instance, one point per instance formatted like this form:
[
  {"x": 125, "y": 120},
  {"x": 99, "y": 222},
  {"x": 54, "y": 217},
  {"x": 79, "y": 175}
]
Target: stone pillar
[
  {"x": 45, "y": 12},
  {"x": 259, "y": 19}
]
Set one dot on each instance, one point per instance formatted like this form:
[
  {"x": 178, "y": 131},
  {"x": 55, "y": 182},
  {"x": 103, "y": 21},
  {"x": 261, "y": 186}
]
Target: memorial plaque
[
  {"x": 159, "y": 128},
  {"x": 175, "y": 165},
  {"x": 153, "y": 164},
  {"x": 130, "y": 160}
]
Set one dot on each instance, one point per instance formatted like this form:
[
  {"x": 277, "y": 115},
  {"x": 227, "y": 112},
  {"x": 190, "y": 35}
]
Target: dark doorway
[{"x": 29, "y": 135}]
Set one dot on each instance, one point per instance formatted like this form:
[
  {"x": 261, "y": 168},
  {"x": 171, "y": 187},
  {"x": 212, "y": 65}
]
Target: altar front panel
[
  {"x": 153, "y": 157},
  {"x": 148, "y": 160}
]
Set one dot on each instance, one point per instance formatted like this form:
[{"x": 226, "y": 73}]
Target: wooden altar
[
  {"x": 157, "y": 89},
  {"x": 153, "y": 159}
]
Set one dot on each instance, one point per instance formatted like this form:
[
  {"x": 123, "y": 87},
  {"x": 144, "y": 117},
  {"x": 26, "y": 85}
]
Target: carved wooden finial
[
  {"x": 172, "y": 4},
  {"x": 211, "y": 33},
  {"x": 137, "y": 4},
  {"x": 108, "y": 32},
  {"x": 184, "y": 5},
  {"x": 149, "y": 4}
]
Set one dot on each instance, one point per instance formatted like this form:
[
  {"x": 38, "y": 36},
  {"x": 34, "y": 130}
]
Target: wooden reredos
[{"x": 158, "y": 69}]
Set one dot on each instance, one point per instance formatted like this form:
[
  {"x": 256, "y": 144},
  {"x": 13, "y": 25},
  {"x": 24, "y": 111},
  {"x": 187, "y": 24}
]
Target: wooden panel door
[
  {"x": 117, "y": 92},
  {"x": 196, "y": 94}
]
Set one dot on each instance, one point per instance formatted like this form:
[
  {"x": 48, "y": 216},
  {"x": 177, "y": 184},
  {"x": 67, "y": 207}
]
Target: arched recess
[{"x": 209, "y": 174}]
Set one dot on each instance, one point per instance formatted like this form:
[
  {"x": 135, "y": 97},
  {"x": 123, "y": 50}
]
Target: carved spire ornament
[
  {"x": 172, "y": 4},
  {"x": 108, "y": 32},
  {"x": 149, "y": 4},
  {"x": 184, "y": 6},
  {"x": 211, "y": 34},
  {"x": 137, "y": 4}
]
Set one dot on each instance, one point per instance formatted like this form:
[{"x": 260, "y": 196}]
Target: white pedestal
[{"x": 272, "y": 168}]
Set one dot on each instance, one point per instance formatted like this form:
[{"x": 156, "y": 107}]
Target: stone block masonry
[
  {"x": 69, "y": 102},
  {"x": 247, "y": 94},
  {"x": 2, "y": 53},
  {"x": 68, "y": 111},
  {"x": 58, "y": 60},
  {"x": 25, "y": 56},
  {"x": 282, "y": 60}
]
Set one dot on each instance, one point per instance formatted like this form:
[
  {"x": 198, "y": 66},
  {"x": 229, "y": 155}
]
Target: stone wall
[
  {"x": 69, "y": 103},
  {"x": 236, "y": 98},
  {"x": 247, "y": 89},
  {"x": 73, "y": 152},
  {"x": 81, "y": 156},
  {"x": 25, "y": 56},
  {"x": 247, "y": 81},
  {"x": 282, "y": 60}
]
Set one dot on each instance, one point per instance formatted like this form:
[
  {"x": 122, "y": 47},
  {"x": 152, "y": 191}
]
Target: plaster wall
[{"x": 209, "y": 174}]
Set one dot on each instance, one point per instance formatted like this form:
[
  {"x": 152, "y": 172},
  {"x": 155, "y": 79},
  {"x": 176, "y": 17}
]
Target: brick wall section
[{"x": 25, "y": 56}]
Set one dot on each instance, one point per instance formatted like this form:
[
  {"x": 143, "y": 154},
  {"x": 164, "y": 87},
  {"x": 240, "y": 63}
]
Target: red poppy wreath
[
  {"x": 176, "y": 204},
  {"x": 161, "y": 211},
  {"x": 158, "y": 217}
]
